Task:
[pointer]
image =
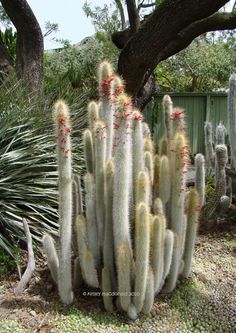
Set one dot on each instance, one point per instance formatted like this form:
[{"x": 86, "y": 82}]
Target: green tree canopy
[{"x": 205, "y": 65}]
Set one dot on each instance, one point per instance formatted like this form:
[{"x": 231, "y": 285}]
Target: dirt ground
[{"x": 214, "y": 274}]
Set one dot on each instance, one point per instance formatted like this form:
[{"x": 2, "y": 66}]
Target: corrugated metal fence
[{"x": 199, "y": 107}]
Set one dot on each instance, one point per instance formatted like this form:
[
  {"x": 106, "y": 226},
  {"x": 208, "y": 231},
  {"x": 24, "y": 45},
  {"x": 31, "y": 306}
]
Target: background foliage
[
  {"x": 75, "y": 67},
  {"x": 202, "y": 67}
]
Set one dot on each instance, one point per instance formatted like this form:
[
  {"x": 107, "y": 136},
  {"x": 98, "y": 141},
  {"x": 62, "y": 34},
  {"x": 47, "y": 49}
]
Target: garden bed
[{"x": 204, "y": 303}]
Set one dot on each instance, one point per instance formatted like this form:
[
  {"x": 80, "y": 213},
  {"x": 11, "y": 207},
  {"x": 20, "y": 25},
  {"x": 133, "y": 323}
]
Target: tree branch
[
  {"x": 133, "y": 15},
  {"x": 31, "y": 262},
  {"x": 148, "y": 5},
  {"x": 218, "y": 21},
  {"x": 142, "y": 52},
  {"x": 122, "y": 15}
]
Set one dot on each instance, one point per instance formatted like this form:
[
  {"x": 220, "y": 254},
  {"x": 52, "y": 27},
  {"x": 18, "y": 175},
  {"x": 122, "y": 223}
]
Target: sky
[{"x": 73, "y": 23}]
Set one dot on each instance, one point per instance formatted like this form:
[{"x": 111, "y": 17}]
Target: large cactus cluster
[
  {"x": 136, "y": 235},
  {"x": 216, "y": 160}
]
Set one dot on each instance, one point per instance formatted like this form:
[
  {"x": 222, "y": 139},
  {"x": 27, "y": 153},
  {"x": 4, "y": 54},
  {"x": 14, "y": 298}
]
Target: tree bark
[
  {"x": 29, "y": 46},
  {"x": 169, "y": 29}
]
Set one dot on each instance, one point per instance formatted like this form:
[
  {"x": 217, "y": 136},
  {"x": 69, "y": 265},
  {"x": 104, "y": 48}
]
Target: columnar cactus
[
  {"x": 200, "y": 177},
  {"x": 216, "y": 160},
  {"x": 142, "y": 243},
  {"x": 100, "y": 156},
  {"x": 89, "y": 185},
  {"x": 218, "y": 199},
  {"x": 123, "y": 170},
  {"x": 232, "y": 117},
  {"x": 63, "y": 259},
  {"x": 210, "y": 155},
  {"x": 157, "y": 255},
  {"x": 134, "y": 234},
  {"x": 220, "y": 134},
  {"x": 105, "y": 79},
  {"x": 108, "y": 245},
  {"x": 192, "y": 218}
]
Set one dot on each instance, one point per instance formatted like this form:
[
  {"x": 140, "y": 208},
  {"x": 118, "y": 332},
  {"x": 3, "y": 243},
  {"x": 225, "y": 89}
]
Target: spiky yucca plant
[{"x": 28, "y": 170}]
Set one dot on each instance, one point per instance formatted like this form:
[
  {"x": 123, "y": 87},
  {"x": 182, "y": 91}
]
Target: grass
[
  {"x": 189, "y": 310},
  {"x": 11, "y": 326}
]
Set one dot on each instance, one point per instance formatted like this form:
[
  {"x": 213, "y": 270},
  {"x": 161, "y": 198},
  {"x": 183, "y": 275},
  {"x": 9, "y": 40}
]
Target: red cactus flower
[
  {"x": 61, "y": 120},
  {"x": 176, "y": 115},
  {"x": 105, "y": 85},
  {"x": 139, "y": 117}
]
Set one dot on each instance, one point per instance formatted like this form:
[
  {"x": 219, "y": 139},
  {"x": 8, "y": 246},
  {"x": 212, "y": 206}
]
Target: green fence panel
[
  {"x": 198, "y": 108},
  {"x": 218, "y": 110}
]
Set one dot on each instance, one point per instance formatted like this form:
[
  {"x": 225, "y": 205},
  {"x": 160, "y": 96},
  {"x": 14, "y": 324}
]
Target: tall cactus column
[
  {"x": 122, "y": 172},
  {"x": 178, "y": 218},
  {"x": 192, "y": 224},
  {"x": 210, "y": 155},
  {"x": 179, "y": 179},
  {"x": 100, "y": 153},
  {"x": 200, "y": 177},
  {"x": 62, "y": 123},
  {"x": 105, "y": 112},
  {"x": 232, "y": 117}
]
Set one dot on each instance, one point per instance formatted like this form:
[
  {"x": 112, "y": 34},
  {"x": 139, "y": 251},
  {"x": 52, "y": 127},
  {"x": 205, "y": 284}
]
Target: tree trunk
[{"x": 29, "y": 46}]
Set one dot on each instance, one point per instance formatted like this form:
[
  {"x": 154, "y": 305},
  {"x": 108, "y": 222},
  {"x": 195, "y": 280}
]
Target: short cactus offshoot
[{"x": 135, "y": 234}]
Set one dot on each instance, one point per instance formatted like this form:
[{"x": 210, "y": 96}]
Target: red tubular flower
[
  {"x": 127, "y": 116},
  {"x": 176, "y": 115},
  {"x": 105, "y": 85},
  {"x": 116, "y": 126},
  {"x": 68, "y": 129},
  {"x": 139, "y": 117},
  {"x": 61, "y": 120}
]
